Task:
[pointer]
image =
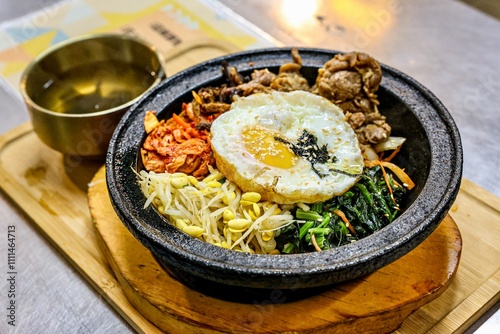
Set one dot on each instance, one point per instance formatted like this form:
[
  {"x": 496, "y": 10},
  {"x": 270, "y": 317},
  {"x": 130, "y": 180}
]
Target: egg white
[{"x": 287, "y": 114}]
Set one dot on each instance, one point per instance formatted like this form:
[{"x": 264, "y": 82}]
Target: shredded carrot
[
  {"x": 315, "y": 244},
  {"x": 393, "y": 154},
  {"x": 193, "y": 132},
  {"x": 371, "y": 163},
  {"x": 399, "y": 172},
  {"x": 180, "y": 121},
  {"x": 345, "y": 220},
  {"x": 386, "y": 179}
]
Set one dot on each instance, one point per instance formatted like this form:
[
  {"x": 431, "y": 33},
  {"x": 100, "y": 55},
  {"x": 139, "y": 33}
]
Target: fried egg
[{"x": 289, "y": 147}]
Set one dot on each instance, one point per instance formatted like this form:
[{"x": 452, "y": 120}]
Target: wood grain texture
[
  {"x": 376, "y": 303},
  {"x": 476, "y": 286}
]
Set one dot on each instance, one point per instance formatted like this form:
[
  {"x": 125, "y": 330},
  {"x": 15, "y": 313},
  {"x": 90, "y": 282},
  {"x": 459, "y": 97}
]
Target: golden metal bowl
[{"x": 77, "y": 91}]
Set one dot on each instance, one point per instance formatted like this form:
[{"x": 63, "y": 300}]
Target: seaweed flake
[{"x": 307, "y": 147}]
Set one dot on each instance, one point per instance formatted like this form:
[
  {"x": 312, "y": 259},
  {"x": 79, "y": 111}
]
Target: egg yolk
[{"x": 261, "y": 144}]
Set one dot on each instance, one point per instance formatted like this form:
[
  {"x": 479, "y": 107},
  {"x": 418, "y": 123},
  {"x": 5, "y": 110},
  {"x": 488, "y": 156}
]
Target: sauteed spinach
[{"x": 372, "y": 203}]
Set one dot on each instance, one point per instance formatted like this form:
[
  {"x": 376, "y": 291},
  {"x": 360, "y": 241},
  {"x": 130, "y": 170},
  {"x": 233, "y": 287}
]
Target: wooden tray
[{"x": 51, "y": 192}]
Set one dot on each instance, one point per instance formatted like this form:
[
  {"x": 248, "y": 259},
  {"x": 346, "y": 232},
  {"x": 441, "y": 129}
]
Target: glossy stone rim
[{"x": 181, "y": 253}]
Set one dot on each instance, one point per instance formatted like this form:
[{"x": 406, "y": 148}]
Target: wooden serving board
[{"x": 376, "y": 303}]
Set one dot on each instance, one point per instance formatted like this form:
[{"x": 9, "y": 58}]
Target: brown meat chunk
[
  {"x": 290, "y": 81},
  {"x": 339, "y": 86},
  {"x": 216, "y": 107},
  {"x": 263, "y": 77},
  {"x": 374, "y": 133},
  {"x": 355, "y": 120},
  {"x": 252, "y": 87},
  {"x": 209, "y": 100},
  {"x": 351, "y": 81},
  {"x": 289, "y": 77},
  {"x": 209, "y": 94},
  {"x": 232, "y": 75},
  {"x": 349, "y": 76},
  {"x": 358, "y": 104}
]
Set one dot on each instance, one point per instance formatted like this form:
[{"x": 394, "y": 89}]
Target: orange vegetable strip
[
  {"x": 315, "y": 243},
  {"x": 193, "y": 132},
  {"x": 400, "y": 173},
  {"x": 180, "y": 121},
  {"x": 371, "y": 163},
  {"x": 345, "y": 220},
  {"x": 393, "y": 154},
  {"x": 386, "y": 179}
]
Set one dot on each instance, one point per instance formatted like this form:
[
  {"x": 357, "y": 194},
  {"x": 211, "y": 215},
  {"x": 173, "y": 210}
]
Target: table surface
[{"x": 449, "y": 47}]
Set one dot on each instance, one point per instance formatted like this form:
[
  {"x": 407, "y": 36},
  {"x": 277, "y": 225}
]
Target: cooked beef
[
  {"x": 349, "y": 76},
  {"x": 252, "y": 88},
  {"x": 358, "y": 104},
  {"x": 289, "y": 77},
  {"x": 351, "y": 81},
  {"x": 209, "y": 94},
  {"x": 231, "y": 74},
  {"x": 356, "y": 119},
  {"x": 263, "y": 77},
  {"x": 212, "y": 100},
  {"x": 373, "y": 133},
  {"x": 216, "y": 107},
  {"x": 228, "y": 94}
]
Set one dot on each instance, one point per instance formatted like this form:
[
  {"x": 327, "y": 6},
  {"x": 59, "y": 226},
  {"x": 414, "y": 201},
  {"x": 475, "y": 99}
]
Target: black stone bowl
[{"x": 432, "y": 156}]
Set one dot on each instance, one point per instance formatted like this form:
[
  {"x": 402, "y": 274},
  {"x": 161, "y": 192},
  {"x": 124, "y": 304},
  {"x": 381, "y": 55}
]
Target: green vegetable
[
  {"x": 305, "y": 228},
  {"x": 307, "y": 215},
  {"x": 367, "y": 206}
]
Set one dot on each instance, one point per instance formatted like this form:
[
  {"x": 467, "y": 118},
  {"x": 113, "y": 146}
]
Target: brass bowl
[{"x": 77, "y": 91}]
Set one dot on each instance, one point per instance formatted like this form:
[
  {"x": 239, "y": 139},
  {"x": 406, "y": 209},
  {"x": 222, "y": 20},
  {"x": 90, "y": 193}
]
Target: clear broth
[{"x": 95, "y": 87}]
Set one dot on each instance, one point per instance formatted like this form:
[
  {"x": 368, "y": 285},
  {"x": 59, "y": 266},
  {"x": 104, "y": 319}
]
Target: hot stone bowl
[{"x": 432, "y": 156}]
